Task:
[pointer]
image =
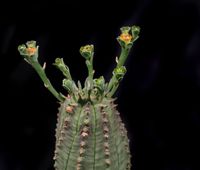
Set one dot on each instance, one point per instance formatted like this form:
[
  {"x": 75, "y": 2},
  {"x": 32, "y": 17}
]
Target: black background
[{"x": 158, "y": 98}]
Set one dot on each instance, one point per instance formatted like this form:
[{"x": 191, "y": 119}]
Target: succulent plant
[{"x": 90, "y": 134}]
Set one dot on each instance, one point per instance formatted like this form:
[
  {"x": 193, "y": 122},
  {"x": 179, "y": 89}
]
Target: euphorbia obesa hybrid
[{"x": 90, "y": 134}]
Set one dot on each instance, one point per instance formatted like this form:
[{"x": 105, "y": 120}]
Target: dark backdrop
[{"x": 158, "y": 98}]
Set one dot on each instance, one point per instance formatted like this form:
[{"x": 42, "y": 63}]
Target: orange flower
[
  {"x": 126, "y": 37},
  {"x": 31, "y": 50}
]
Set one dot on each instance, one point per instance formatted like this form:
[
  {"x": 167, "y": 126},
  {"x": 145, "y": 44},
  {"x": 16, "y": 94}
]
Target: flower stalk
[
  {"x": 30, "y": 54},
  {"x": 126, "y": 39},
  {"x": 87, "y": 52}
]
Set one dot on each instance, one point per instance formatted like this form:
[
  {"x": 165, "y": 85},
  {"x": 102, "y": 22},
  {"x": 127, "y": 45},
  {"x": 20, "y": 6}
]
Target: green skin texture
[
  {"x": 106, "y": 146},
  {"x": 90, "y": 134}
]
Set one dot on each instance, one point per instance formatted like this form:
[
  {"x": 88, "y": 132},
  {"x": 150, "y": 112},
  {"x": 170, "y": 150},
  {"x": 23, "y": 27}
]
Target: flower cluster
[
  {"x": 29, "y": 49},
  {"x": 128, "y": 36}
]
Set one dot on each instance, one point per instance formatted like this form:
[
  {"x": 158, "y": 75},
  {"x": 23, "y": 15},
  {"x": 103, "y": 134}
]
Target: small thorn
[
  {"x": 67, "y": 120},
  {"x": 123, "y": 135},
  {"x": 108, "y": 162},
  {"x": 81, "y": 151},
  {"x": 80, "y": 159},
  {"x": 128, "y": 165},
  {"x": 105, "y": 120},
  {"x": 68, "y": 96},
  {"x": 69, "y": 109},
  {"x": 85, "y": 129},
  {"x": 83, "y": 143},
  {"x": 119, "y": 120},
  {"x": 107, "y": 152},
  {"x": 117, "y": 113},
  {"x": 106, "y": 136},
  {"x": 27, "y": 61},
  {"x": 78, "y": 166},
  {"x": 117, "y": 60},
  {"x": 106, "y": 145},
  {"x": 84, "y": 134},
  {"x": 61, "y": 139},
  {"x": 104, "y": 113},
  {"x": 114, "y": 105},
  {"x": 62, "y": 132},
  {"x": 126, "y": 145},
  {"x": 65, "y": 126},
  {"x": 44, "y": 66},
  {"x": 87, "y": 109},
  {"x": 55, "y": 157},
  {"x": 55, "y": 166},
  {"x": 87, "y": 113},
  {"x": 46, "y": 85},
  {"x": 58, "y": 145},
  {"x": 105, "y": 129}
]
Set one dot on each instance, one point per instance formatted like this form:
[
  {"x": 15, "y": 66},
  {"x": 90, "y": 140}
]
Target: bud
[
  {"x": 69, "y": 85},
  {"x": 59, "y": 63},
  {"x": 135, "y": 31},
  {"x": 125, "y": 29},
  {"x": 31, "y": 44},
  {"x": 87, "y": 51},
  {"x": 22, "y": 49},
  {"x": 119, "y": 72},
  {"x": 100, "y": 82}
]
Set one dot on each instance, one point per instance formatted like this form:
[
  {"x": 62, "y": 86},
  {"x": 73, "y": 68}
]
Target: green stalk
[
  {"x": 89, "y": 64},
  {"x": 46, "y": 81},
  {"x": 123, "y": 56},
  {"x": 114, "y": 83},
  {"x": 126, "y": 40}
]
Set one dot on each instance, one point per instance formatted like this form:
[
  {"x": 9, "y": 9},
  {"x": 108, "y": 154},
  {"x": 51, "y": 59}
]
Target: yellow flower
[
  {"x": 87, "y": 48},
  {"x": 126, "y": 37},
  {"x": 31, "y": 50}
]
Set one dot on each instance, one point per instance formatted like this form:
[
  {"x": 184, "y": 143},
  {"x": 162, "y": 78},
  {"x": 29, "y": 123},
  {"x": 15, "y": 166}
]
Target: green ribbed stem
[{"x": 91, "y": 137}]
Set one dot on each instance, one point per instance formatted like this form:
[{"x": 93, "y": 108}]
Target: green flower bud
[
  {"x": 135, "y": 31},
  {"x": 119, "y": 72},
  {"x": 59, "y": 62},
  {"x": 87, "y": 51},
  {"x": 100, "y": 83},
  {"x": 22, "y": 49},
  {"x": 69, "y": 85},
  {"x": 125, "y": 29},
  {"x": 31, "y": 44}
]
